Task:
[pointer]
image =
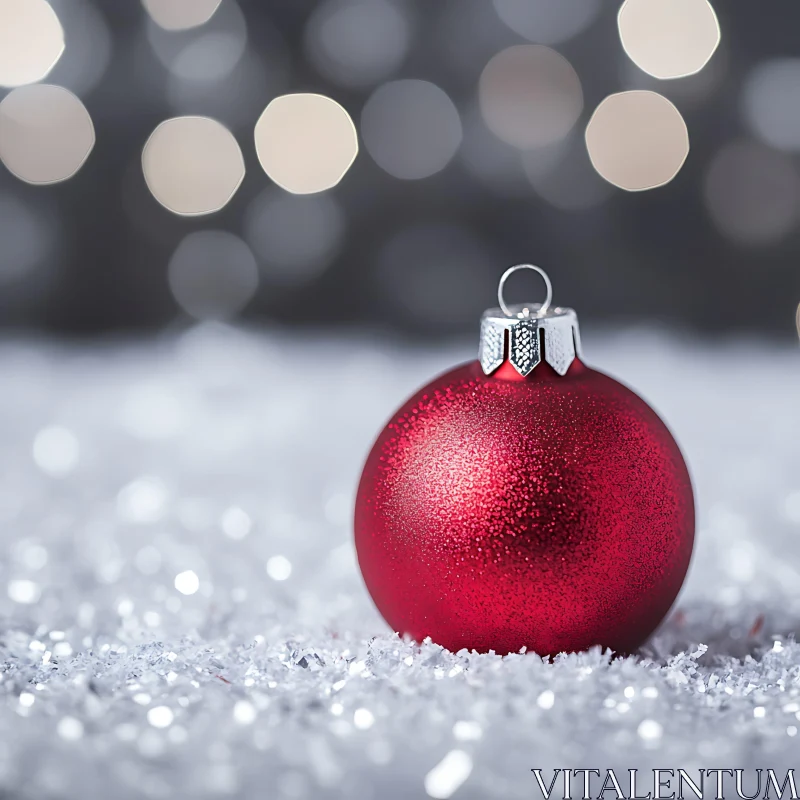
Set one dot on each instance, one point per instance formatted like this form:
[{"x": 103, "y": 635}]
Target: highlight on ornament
[{"x": 524, "y": 499}]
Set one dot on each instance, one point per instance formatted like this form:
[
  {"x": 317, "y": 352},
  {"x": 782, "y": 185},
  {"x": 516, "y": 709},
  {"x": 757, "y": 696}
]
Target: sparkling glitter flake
[
  {"x": 142, "y": 501},
  {"x": 56, "y": 451},
  {"x": 546, "y": 699},
  {"x": 443, "y": 780},
  {"x": 70, "y": 729},
  {"x": 183, "y": 614},
  {"x": 22, "y": 591},
  {"x": 236, "y": 523},
  {"x": 279, "y": 568},
  {"x": 649, "y": 729},
  {"x": 160, "y": 716},
  {"x": 363, "y": 719},
  {"x": 187, "y": 582},
  {"x": 467, "y": 731},
  {"x": 244, "y": 712}
]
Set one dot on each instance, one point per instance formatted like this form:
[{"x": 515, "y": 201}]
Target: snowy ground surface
[{"x": 181, "y": 614}]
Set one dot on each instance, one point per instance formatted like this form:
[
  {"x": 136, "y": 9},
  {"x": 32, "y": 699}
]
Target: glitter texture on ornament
[{"x": 183, "y": 616}]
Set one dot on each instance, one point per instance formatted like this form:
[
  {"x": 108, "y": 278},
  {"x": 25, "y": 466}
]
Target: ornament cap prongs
[{"x": 513, "y": 331}]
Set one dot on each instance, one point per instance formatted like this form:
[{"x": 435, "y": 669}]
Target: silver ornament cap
[{"x": 521, "y": 332}]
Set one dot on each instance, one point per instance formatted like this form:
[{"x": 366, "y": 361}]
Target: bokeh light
[
  {"x": 279, "y": 568},
  {"x": 178, "y": 15},
  {"x": 530, "y": 96},
  {"x": 86, "y": 59},
  {"x": 305, "y": 142},
  {"x": 752, "y": 193},
  {"x": 437, "y": 276},
  {"x": 204, "y": 54},
  {"x": 187, "y": 583},
  {"x": 411, "y": 128},
  {"x": 238, "y": 96},
  {"x": 669, "y": 38},
  {"x": 213, "y": 275},
  {"x": 563, "y": 176},
  {"x": 142, "y": 501},
  {"x": 467, "y": 34},
  {"x": 31, "y": 41},
  {"x": 295, "y": 237},
  {"x": 548, "y": 21},
  {"x": 487, "y": 101},
  {"x": 56, "y": 451},
  {"x": 357, "y": 42},
  {"x": 192, "y": 165},
  {"x": 637, "y": 140},
  {"x": 771, "y": 102},
  {"x": 46, "y": 133}
]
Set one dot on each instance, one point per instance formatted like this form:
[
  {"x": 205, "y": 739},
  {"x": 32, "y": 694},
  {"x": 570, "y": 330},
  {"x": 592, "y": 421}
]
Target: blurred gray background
[{"x": 714, "y": 250}]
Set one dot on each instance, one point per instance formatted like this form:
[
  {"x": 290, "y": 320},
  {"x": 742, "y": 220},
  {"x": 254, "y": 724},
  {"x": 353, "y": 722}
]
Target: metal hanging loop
[{"x": 526, "y": 312}]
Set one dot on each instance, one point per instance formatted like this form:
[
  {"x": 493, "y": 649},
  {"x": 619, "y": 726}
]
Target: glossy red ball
[{"x": 552, "y": 513}]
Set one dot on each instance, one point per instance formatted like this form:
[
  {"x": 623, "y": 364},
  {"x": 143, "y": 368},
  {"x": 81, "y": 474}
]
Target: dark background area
[{"x": 423, "y": 255}]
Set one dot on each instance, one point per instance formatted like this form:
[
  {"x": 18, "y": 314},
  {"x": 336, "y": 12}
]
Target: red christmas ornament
[{"x": 525, "y": 500}]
